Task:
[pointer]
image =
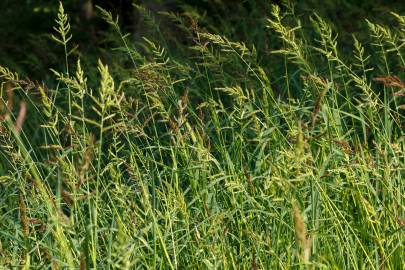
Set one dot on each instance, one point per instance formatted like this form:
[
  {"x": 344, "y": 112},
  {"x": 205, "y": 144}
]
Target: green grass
[{"x": 215, "y": 156}]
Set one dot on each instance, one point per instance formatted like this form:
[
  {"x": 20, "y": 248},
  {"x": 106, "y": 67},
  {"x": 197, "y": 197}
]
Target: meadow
[{"x": 188, "y": 149}]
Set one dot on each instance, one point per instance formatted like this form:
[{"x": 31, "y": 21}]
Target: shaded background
[{"x": 26, "y": 25}]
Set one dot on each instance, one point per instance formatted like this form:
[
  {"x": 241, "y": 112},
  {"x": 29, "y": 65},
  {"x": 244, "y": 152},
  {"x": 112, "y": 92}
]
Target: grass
[{"x": 214, "y": 156}]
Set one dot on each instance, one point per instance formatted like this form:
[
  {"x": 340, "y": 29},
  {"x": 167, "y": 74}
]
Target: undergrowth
[{"x": 219, "y": 156}]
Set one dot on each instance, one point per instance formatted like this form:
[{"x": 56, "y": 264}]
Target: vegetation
[{"x": 189, "y": 148}]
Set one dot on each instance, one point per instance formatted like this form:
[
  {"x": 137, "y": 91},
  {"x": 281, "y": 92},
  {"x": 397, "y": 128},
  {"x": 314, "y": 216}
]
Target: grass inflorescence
[{"x": 221, "y": 154}]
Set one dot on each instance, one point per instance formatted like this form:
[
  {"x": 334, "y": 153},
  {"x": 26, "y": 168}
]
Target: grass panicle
[{"x": 284, "y": 151}]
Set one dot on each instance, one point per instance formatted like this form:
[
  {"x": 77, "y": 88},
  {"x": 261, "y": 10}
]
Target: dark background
[{"x": 26, "y": 25}]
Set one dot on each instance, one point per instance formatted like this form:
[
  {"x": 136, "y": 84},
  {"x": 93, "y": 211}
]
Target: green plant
[{"x": 218, "y": 160}]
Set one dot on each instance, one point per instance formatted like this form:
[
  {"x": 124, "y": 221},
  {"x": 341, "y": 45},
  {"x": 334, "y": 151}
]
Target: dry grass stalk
[
  {"x": 344, "y": 145},
  {"x": 254, "y": 263},
  {"x": 9, "y": 87},
  {"x": 82, "y": 262},
  {"x": 399, "y": 94},
  {"x": 323, "y": 84},
  {"x": 249, "y": 180},
  {"x": 317, "y": 107},
  {"x": 392, "y": 81},
  {"x": 21, "y": 117},
  {"x": 10, "y": 96},
  {"x": 304, "y": 241}
]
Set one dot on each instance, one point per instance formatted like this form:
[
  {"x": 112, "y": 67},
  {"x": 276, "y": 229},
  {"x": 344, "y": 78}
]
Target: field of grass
[{"x": 282, "y": 152}]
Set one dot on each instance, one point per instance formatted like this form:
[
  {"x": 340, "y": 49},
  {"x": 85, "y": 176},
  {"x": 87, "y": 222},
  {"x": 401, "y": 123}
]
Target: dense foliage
[{"x": 178, "y": 135}]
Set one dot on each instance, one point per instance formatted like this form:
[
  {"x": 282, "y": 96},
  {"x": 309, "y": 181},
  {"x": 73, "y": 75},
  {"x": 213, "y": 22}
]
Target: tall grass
[{"x": 231, "y": 158}]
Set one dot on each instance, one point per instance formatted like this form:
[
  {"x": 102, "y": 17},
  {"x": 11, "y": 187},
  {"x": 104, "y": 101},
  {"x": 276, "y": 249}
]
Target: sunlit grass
[{"x": 212, "y": 161}]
